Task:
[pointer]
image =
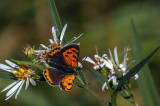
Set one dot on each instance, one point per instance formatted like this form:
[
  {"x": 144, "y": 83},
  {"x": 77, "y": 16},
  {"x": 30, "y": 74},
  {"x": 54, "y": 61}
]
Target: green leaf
[
  {"x": 113, "y": 101},
  {"x": 54, "y": 16},
  {"x": 5, "y": 75},
  {"x": 97, "y": 76},
  {"x": 81, "y": 76},
  {"x": 29, "y": 64},
  {"x": 79, "y": 84},
  {"x": 56, "y": 22},
  {"x": 134, "y": 70},
  {"x": 145, "y": 81}
]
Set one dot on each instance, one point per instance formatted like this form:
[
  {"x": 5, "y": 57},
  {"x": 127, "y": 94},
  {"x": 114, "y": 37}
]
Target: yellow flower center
[{"x": 22, "y": 73}]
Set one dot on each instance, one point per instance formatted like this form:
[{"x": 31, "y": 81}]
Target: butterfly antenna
[
  {"x": 74, "y": 39},
  {"x": 70, "y": 40}
]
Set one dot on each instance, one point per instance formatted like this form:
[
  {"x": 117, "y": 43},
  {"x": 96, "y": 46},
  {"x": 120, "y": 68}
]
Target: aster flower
[
  {"x": 58, "y": 42},
  {"x": 122, "y": 67},
  {"x": 111, "y": 64},
  {"x": 98, "y": 63},
  {"x": 22, "y": 73}
]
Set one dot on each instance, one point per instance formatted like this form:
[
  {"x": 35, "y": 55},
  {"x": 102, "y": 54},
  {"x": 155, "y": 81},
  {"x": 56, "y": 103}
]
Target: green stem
[
  {"x": 109, "y": 88},
  {"x": 96, "y": 95},
  {"x": 105, "y": 73},
  {"x": 130, "y": 91}
]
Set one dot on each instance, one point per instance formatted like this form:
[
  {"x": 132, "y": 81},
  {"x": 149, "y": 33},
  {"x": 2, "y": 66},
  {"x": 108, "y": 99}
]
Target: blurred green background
[{"x": 105, "y": 24}]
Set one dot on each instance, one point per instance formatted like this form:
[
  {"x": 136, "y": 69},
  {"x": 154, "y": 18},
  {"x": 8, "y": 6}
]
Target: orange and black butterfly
[{"x": 63, "y": 62}]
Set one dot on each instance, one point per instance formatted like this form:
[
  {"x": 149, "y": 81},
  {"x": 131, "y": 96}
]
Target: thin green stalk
[
  {"x": 96, "y": 95},
  {"x": 145, "y": 81},
  {"x": 128, "y": 86},
  {"x": 109, "y": 88}
]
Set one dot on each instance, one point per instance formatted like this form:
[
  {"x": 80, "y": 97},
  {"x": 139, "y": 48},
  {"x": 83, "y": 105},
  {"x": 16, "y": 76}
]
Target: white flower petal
[
  {"x": 97, "y": 58},
  {"x": 120, "y": 65},
  {"x": 19, "y": 89},
  {"x": 9, "y": 86},
  {"x": 27, "y": 83},
  {"x": 43, "y": 46},
  {"x": 54, "y": 34},
  {"x": 12, "y": 64},
  {"x": 105, "y": 56},
  {"x": 62, "y": 33},
  {"x": 7, "y": 68},
  {"x": 51, "y": 41},
  {"x": 123, "y": 69},
  {"x": 114, "y": 81},
  {"x": 110, "y": 53},
  {"x": 86, "y": 58},
  {"x": 108, "y": 65},
  {"x": 79, "y": 65},
  {"x": 7, "y": 97},
  {"x": 104, "y": 86},
  {"x": 96, "y": 67},
  {"x": 110, "y": 79},
  {"x": 116, "y": 56},
  {"x": 136, "y": 76},
  {"x": 38, "y": 52},
  {"x": 32, "y": 82},
  {"x": 125, "y": 57},
  {"x": 14, "y": 88},
  {"x": 102, "y": 65}
]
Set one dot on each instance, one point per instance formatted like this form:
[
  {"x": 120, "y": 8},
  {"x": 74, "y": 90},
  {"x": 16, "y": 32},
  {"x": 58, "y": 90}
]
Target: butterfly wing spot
[
  {"x": 74, "y": 50},
  {"x": 46, "y": 73},
  {"x": 53, "y": 52},
  {"x": 71, "y": 57},
  {"x": 67, "y": 82}
]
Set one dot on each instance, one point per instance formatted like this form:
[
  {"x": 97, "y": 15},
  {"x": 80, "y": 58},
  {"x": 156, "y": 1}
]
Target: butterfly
[{"x": 63, "y": 62}]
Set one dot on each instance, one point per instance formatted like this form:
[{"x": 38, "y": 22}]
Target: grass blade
[
  {"x": 54, "y": 16},
  {"x": 145, "y": 81}
]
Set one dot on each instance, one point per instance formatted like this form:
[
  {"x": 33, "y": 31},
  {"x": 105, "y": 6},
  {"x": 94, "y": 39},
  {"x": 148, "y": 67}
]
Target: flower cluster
[
  {"x": 23, "y": 73},
  {"x": 59, "y": 65},
  {"x": 115, "y": 69}
]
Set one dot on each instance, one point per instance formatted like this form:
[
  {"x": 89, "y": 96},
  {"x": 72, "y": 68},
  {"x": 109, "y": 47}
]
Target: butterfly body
[{"x": 63, "y": 62}]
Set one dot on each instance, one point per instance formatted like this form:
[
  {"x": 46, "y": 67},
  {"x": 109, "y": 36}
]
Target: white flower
[
  {"x": 58, "y": 42},
  {"x": 22, "y": 73},
  {"x": 98, "y": 63},
  {"x": 122, "y": 67},
  {"x": 111, "y": 64}
]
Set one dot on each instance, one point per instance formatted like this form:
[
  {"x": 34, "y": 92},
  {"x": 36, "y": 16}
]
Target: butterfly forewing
[{"x": 71, "y": 55}]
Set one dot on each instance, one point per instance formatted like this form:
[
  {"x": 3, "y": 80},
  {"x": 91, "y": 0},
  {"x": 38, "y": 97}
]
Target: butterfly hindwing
[
  {"x": 71, "y": 54},
  {"x": 53, "y": 76},
  {"x": 67, "y": 82}
]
